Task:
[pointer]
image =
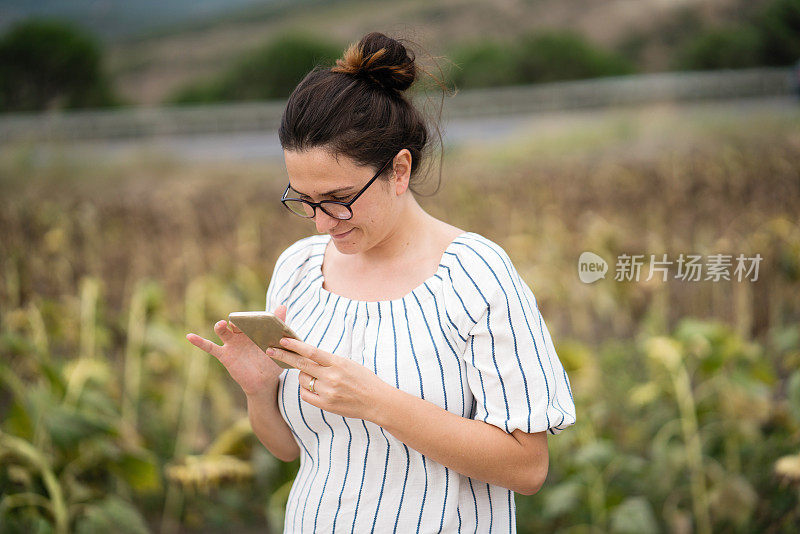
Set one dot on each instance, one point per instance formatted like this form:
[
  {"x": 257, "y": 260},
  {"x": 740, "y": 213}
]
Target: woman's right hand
[{"x": 247, "y": 364}]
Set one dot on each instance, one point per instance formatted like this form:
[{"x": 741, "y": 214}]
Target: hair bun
[{"x": 380, "y": 59}]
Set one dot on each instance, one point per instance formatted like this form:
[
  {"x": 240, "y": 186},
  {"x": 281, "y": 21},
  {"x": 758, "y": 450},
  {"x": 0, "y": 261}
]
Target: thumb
[
  {"x": 280, "y": 312},
  {"x": 221, "y": 329}
]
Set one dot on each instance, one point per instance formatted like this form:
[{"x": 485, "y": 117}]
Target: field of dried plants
[{"x": 687, "y": 392}]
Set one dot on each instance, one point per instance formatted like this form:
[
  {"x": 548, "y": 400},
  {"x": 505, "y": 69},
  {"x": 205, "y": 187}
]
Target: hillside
[{"x": 146, "y": 69}]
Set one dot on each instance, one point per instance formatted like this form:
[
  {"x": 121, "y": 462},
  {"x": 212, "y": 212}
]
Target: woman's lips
[{"x": 340, "y": 236}]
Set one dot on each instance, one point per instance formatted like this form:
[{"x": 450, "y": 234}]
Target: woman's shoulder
[
  {"x": 479, "y": 272},
  {"x": 301, "y": 251},
  {"x": 479, "y": 256}
]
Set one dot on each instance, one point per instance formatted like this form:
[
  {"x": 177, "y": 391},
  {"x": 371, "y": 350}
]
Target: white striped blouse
[{"x": 470, "y": 339}]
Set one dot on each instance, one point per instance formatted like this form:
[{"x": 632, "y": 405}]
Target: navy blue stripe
[
  {"x": 551, "y": 351},
  {"x": 327, "y": 475},
  {"x": 433, "y": 344},
  {"x": 422, "y": 395},
  {"x": 282, "y": 262},
  {"x": 301, "y": 327},
  {"x": 413, "y": 352},
  {"x": 474, "y": 501},
  {"x": 330, "y": 320},
  {"x": 397, "y": 384},
  {"x": 366, "y": 432},
  {"x": 297, "y": 269},
  {"x": 272, "y": 288},
  {"x": 346, "y": 470},
  {"x": 363, "y": 474},
  {"x": 388, "y": 447},
  {"x": 455, "y": 328},
  {"x": 491, "y": 511},
  {"x": 383, "y": 482},
  {"x": 322, "y": 415},
  {"x": 455, "y": 353},
  {"x": 311, "y": 283},
  {"x": 450, "y": 275},
  {"x": 566, "y": 381},
  {"x": 403, "y": 493},
  {"x": 511, "y": 510},
  {"x": 307, "y": 242},
  {"x": 316, "y": 467},
  {"x": 556, "y": 403},
  {"x": 339, "y": 342},
  {"x": 350, "y": 434},
  {"x": 282, "y": 394}
]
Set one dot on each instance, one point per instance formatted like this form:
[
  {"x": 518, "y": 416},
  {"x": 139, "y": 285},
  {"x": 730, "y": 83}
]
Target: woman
[{"x": 427, "y": 381}]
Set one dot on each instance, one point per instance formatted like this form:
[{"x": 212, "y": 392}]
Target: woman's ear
[{"x": 402, "y": 171}]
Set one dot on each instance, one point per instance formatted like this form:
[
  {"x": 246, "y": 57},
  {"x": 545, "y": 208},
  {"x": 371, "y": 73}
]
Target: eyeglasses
[{"x": 334, "y": 208}]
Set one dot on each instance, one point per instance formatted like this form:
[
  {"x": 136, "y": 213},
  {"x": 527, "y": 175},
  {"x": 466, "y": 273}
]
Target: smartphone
[{"x": 264, "y": 329}]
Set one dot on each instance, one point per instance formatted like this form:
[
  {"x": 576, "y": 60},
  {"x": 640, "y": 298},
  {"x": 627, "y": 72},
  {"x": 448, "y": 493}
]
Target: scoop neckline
[{"x": 420, "y": 291}]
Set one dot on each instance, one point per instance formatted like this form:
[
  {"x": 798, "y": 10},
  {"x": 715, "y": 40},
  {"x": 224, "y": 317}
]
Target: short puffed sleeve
[{"x": 512, "y": 368}]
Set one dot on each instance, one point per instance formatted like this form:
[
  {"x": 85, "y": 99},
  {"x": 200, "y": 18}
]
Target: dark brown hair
[{"x": 357, "y": 108}]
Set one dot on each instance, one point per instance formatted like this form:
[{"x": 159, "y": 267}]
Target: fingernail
[{"x": 271, "y": 351}]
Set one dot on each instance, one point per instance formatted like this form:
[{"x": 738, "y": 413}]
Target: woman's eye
[{"x": 339, "y": 199}]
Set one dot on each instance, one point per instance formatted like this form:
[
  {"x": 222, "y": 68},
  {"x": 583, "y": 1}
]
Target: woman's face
[{"x": 316, "y": 175}]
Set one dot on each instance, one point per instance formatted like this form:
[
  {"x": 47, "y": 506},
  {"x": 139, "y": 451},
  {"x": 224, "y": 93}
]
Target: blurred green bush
[
  {"x": 48, "y": 63},
  {"x": 271, "y": 71},
  {"x": 535, "y": 58},
  {"x": 770, "y": 37},
  {"x": 721, "y": 48}
]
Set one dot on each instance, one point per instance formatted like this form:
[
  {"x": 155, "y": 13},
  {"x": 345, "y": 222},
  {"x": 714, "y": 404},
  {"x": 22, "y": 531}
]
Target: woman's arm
[
  {"x": 517, "y": 461},
  {"x": 269, "y": 426}
]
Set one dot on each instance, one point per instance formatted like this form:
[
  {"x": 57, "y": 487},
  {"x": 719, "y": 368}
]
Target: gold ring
[{"x": 311, "y": 384}]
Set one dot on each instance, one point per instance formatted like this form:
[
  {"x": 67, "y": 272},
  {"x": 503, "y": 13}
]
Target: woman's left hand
[{"x": 342, "y": 386}]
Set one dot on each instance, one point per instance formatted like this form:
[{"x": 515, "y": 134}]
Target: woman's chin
[{"x": 346, "y": 242}]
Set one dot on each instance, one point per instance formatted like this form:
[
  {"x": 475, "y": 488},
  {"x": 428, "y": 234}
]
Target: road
[{"x": 482, "y": 131}]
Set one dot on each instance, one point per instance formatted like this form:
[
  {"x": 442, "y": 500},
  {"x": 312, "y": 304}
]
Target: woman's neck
[{"x": 412, "y": 231}]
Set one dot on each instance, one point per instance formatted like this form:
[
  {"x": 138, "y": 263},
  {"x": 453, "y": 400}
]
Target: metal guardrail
[
  {"x": 625, "y": 90},
  {"x": 265, "y": 116}
]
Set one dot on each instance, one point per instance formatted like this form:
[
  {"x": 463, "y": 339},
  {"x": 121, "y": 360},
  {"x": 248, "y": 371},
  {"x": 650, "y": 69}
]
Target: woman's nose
[{"x": 324, "y": 221}]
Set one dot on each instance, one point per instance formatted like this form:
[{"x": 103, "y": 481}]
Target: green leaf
[
  {"x": 634, "y": 516},
  {"x": 598, "y": 453},
  {"x": 68, "y": 427},
  {"x": 140, "y": 471},
  {"x": 561, "y": 499},
  {"x": 112, "y": 514},
  {"x": 793, "y": 393}
]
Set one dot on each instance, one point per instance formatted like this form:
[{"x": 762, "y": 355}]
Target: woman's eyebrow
[{"x": 329, "y": 193}]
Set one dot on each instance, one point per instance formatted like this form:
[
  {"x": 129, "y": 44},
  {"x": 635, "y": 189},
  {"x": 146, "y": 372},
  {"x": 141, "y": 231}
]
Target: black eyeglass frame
[{"x": 319, "y": 204}]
